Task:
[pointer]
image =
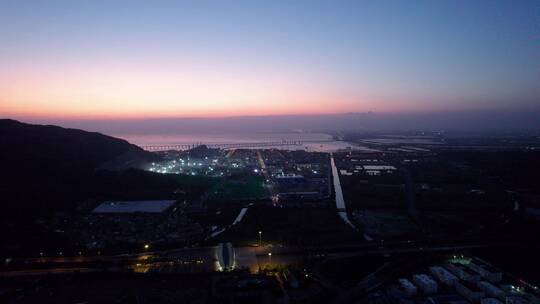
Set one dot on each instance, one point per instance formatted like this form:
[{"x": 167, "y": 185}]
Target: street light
[
  {"x": 269, "y": 258},
  {"x": 260, "y": 238},
  {"x": 146, "y": 246}
]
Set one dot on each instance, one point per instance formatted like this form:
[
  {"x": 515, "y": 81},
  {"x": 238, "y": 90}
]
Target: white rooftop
[
  {"x": 378, "y": 167},
  {"x": 134, "y": 206}
]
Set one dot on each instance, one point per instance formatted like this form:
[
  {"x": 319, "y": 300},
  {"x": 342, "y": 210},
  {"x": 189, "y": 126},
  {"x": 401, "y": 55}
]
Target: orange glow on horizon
[{"x": 117, "y": 92}]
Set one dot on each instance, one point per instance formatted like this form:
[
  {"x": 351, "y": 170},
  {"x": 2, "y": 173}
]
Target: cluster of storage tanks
[{"x": 478, "y": 283}]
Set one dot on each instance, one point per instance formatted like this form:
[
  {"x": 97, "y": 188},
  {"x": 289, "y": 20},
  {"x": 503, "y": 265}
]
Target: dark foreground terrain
[{"x": 248, "y": 226}]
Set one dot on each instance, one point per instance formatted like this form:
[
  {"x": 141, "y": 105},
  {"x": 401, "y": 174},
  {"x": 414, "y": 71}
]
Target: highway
[
  {"x": 245, "y": 257},
  {"x": 37, "y": 272}
]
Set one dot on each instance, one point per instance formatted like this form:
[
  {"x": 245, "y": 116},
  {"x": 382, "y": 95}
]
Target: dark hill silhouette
[
  {"x": 43, "y": 149},
  {"x": 46, "y": 168},
  {"x": 49, "y": 171}
]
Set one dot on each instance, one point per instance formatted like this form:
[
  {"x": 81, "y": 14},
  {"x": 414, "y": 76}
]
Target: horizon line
[{"x": 307, "y": 114}]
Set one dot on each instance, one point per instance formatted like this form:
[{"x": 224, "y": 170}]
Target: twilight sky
[{"x": 151, "y": 59}]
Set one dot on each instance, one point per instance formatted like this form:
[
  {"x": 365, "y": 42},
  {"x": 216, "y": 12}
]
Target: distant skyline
[
  {"x": 483, "y": 121},
  {"x": 81, "y": 60}
]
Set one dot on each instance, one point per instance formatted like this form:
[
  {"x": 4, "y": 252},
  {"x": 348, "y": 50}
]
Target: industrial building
[
  {"x": 408, "y": 287},
  {"x": 490, "y": 301},
  {"x": 156, "y": 206},
  {"x": 516, "y": 300},
  {"x": 425, "y": 283},
  {"x": 376, "y": 170},
  {"x": 463, "y": 273},
  {"x": 459, "y": 284},
  {"x": 492, "y": 290},
  {"x": 486, "y": 272},
  {"x": 518, "y": 294},
  {"x": 469, "y": 291},
  {"x": 297, "y": 187},
  {"x": 443, "y": 275}
]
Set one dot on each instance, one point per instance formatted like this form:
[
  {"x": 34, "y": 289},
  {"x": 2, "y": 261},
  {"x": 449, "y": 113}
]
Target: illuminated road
[
  {"x": 33, "y": 272},
  {"x": 267, "y": 177},
  {"x": 205, "y": 259}
]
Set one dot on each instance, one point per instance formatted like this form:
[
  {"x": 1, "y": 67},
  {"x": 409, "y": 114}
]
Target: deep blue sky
[{"x": 220, "y": 58}]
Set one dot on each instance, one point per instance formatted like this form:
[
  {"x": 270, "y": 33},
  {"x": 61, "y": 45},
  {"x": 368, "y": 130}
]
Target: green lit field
[{"x": 250, "y": 188}]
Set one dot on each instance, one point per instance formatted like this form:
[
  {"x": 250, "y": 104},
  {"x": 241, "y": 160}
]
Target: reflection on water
[
  {"x": 332, "y": 146},
  {"x": 311, "y": 141},
  {"x": 217, "y": 138}
]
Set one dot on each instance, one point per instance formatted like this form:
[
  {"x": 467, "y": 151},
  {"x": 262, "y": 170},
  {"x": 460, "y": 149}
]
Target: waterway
[
  {"x": 340, "y": 201},
  {"x": 238, "y": 219},
  {"x": 313, "y": 142}
]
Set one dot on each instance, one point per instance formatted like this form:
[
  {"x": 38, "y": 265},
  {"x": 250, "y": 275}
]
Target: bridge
[{"x": 186, "y": 146}]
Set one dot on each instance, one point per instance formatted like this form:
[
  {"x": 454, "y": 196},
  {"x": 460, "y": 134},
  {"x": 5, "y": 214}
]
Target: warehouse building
[
  {"x": 469, "y": 291},
  {"x": 490, "y": 301},
  {"x": 463, "y": 273},
  {"x": 408, "y": 287},
  {"x": 425, "y": 283},
  {"x": 486, "y": 272},
  {"x": 492, "y": 290},
  {"x": 443, "y": 275},
  {"x": 126, "y": 207}
]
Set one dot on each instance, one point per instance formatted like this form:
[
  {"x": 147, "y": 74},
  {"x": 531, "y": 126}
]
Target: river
[{"x": 340, "y": 201}]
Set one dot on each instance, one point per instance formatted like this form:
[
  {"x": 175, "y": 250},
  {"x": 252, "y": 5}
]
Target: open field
[
  {"x": 291, "y": 226},
  {"x": 380, "y": 224}
]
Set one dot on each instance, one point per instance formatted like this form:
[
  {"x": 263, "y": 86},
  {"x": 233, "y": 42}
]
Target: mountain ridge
[
  {"x": 47, "y": 167},
  {"x": 51, "y": 148}
]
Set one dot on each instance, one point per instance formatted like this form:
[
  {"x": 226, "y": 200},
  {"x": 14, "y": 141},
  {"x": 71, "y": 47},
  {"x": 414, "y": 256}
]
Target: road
[
  {"x": 246, "y": 256},
  {"x": 34, "y": 272},
  {"x": 269, "y": 184}
]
